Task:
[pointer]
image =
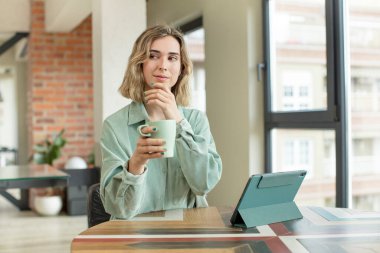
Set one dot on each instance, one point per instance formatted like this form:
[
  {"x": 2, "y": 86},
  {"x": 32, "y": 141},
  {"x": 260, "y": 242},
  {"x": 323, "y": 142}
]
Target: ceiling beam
[{"x": 11, "y": 42}]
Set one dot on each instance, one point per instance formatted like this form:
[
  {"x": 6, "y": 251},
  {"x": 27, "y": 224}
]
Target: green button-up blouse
[{"x": 167, "y": 183}]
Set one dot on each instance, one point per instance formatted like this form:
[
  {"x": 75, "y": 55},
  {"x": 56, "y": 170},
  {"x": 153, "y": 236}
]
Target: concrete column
[
  {"x": 22, "y": 112},
  {"x": 116, "y": 25}
]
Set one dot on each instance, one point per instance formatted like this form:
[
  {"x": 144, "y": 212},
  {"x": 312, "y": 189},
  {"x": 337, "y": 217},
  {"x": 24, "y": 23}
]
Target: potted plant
[
  {"x": 48, "y": 201},
  {"x": 47, "y": 151}
]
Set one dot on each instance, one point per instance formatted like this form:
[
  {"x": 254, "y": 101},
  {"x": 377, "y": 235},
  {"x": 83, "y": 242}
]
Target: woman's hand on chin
[{"x": 160, "y": 95}]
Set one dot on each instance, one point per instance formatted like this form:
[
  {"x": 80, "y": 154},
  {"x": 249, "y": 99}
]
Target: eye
[
  {"x": 153, "y": 56},
  {"x": 173, "y": 58}
]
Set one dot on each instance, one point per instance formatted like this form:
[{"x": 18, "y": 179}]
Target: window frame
[
  {"x": 192, "y": 25},
  {"x": 335, "y": 116}
]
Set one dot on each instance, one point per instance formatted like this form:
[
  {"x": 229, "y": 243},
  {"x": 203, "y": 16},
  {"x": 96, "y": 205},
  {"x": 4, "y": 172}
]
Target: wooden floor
[{"x": 26, "y": 231}]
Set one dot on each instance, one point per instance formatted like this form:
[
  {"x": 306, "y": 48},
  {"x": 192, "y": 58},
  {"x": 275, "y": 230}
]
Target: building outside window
[
  {"x": 298, "y": 82},
  {"x": 195, "y": 43}
]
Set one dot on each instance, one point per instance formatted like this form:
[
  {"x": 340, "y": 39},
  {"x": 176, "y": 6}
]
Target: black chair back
[{"x": 95, "y": 209}]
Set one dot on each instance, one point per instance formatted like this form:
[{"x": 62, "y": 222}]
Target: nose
[{"x": 163, "y": 65}]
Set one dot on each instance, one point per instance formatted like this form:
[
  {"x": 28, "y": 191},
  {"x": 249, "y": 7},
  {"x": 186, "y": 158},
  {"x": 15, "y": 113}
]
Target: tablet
[{"x": 268, "y": 198}]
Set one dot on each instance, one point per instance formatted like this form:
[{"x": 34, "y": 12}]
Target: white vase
[
  {"x": 48, "y": 205},
  {"x": 76, "y": 162}
]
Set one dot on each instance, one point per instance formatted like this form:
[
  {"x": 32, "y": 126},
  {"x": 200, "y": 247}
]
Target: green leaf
[
  {"x": 40, "y": 148},
  {"x": 59, "y": 141}
]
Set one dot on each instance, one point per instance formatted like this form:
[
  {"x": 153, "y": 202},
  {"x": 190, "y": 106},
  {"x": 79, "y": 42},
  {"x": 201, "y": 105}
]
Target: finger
[
  {"x": 162, "y": 86},
  {"x": 164, "y": 93},
  {"x": 150, "y": 142},
  {"x": 148, "y": 129},
  {"x": 157, "y": 96},
  {"x": 144, "y": 153},
  {"x": 152, "y": 155},
  {"x": 157, "y": 102},
  {"x": 151, "y": 149}
]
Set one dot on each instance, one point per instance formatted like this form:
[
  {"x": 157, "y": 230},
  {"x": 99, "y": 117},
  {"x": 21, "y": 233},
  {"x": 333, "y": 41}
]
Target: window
[
  {"x": 364, "y": 92},
  {"x": 297, "y": 32},
  {"x": 295, "y": 85},
  {"x": 288, "y": 91},
  {"x": 194, "y": 37},
  {"x": 327, "y": 51},
  {"x": 309, "y": 150},
  {"x": 288, "y": 153},
  {"x": 364, "y": 47},
  {"x": 304, "y": 152},
  {"x": 305, "y": 96},
  {"x": 363, "y": 147},
  {"x": 304, "y": 91},
  {"x": 296, "y": 153}
]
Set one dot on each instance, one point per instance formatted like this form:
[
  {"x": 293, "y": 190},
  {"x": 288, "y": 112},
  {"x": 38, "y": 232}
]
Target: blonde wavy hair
[{"x": 134, "y": 82}]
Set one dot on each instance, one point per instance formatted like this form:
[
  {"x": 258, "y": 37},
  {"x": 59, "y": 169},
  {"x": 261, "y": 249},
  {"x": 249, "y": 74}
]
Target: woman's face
[{"x": 164, "y": 62}]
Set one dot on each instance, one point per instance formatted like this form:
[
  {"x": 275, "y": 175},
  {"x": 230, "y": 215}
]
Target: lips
[{"x": 161, "y": 78}]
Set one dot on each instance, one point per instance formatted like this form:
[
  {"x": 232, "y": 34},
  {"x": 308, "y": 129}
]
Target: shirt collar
[{"x": 138, "y": 113}]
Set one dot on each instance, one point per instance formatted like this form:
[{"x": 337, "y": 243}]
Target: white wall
[
  {"x": 116, "y": 25},
  {"x": 8, "y": 112},
  {"x": 8, "y": 108},
  {"x": 233, "y": 47}
]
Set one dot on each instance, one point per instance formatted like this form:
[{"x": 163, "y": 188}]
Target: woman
[{"x": 134, "y": 180}]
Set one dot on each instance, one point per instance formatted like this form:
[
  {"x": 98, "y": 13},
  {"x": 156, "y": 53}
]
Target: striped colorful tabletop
[{"x": 334, "y": 230}]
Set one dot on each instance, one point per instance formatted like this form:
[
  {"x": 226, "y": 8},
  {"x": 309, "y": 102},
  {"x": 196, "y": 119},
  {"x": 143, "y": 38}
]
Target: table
[
  {"x": 332, "y": 230},
  {"x": 26, "y": 177}
]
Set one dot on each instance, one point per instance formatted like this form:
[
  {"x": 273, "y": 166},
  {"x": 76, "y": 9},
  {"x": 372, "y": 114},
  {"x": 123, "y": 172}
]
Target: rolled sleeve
[
  {"x": 199, "y": 160},
  {"x": 183, "y": 126}
]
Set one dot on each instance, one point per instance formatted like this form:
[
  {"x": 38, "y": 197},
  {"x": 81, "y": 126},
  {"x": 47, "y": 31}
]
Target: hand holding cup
[
  {"x": 157, "y": 140},
  {"x": 146, "y": 148},
  {"x": 165, "y": 130}
]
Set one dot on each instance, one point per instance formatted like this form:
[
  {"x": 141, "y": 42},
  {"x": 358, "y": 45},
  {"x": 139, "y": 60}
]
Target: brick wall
[{"x": 60, "y": 87}]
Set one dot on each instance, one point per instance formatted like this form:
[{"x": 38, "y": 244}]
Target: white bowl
[{"x": 48, "y": 205}]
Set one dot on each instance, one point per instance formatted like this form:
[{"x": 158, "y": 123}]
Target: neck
[{"x": 155, "y": 113}]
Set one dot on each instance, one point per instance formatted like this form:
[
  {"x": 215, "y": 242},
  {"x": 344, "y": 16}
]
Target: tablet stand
[{"x": 268, "y": 198}]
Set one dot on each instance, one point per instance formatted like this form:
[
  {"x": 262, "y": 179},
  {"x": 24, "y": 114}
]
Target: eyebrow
[{"x": 157, "y": 51}]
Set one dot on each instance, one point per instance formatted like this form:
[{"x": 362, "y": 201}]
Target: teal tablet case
[{"x": 268, "y": 198}]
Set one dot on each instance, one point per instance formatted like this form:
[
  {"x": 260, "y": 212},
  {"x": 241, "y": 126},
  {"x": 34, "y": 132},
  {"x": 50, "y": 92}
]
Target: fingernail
[
  {"x": 151, "y": 84},
  {"x": 163, "y": 142},
  {"x": 144, "y": 92},
  {"x": 165, "y": 149},
  {"x": 154, "y": 129},
  {"x": 162, "y": 153}
]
